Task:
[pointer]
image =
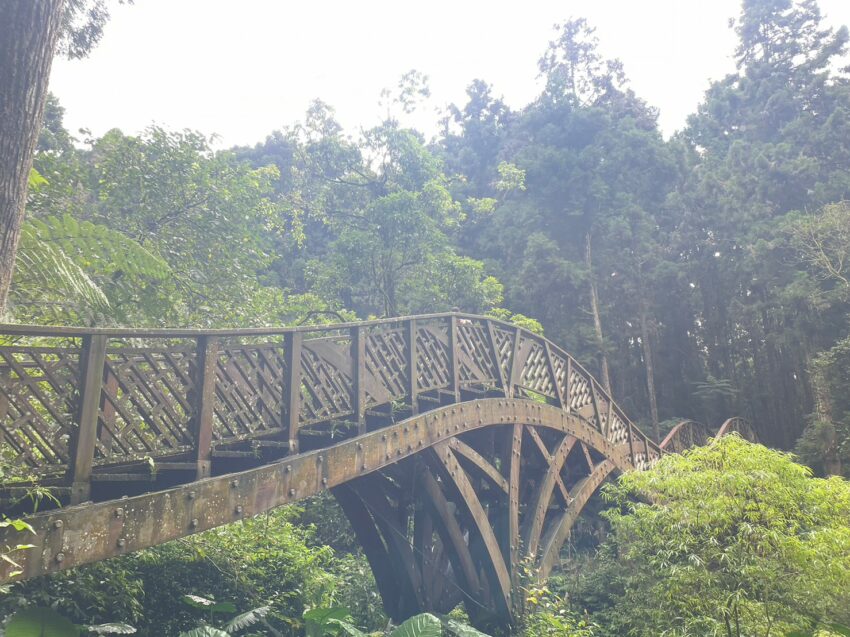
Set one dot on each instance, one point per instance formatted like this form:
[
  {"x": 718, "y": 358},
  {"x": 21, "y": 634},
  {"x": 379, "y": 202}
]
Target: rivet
[
  {"x": 360, "y": 445},
  {"x": 58, "y": 524},
  {"x": 383, "y": 436},
  {"x": 239, "y": 509},
  {"x": 324, "y": 481},
  {"x": 363, "y": 467},
  {"x": 288, "y": 468},
  {"x": 319, "y": 460},
  {"x": 119, "y": 512},
  {"x": 60, "y": 557},
  {"x": 192, "y": 495},
  {"x": 234, "y": 483},
  {"x": 194, "y": 523},
  {"x": 121, "y": 542},
  {"x": 292, "y": 492}
]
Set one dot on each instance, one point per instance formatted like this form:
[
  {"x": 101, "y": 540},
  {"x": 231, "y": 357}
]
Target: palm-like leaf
[
  {"x": 246, "y": 619},
  {"x": 422, "y": 625}
]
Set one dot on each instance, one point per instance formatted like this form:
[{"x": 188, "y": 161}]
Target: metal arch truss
[
  {"x": 689, "y": 433},
  {"x": 460, "y": 448},
  {"x": 445, "y": 504}
]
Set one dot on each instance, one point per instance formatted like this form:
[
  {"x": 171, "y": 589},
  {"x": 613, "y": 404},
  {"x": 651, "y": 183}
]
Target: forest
[{"x": 701, "y": 276}]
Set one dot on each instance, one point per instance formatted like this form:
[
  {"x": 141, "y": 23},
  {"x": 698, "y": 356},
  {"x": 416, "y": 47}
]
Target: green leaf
[
  {"x": 205, "y": 631},
  {"x": 40, "y": 622},
  {"x": 112, "y": 629},
  {"x": 246, "y": 619},
  {"x": 316, "y": 620},
  {"x": 35, "y": 180},
  {"x": 460, "y": 629},
  {"x": 348, "y": 628},
  {"x": 197, "y": 601},
  {"x": 422, "y": 625}
]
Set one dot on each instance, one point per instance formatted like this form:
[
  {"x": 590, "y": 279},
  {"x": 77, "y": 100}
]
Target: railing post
[
  {"x": 84, "y": 438},
  {"x": 292, "y": 387},
  {"x": 204, "y": 399},
  {"x": 358, "y": 372},
  {"x": 412, "y": 365},
  {"x": 454, "y": 385},
  {"x": 5, "y": 373}
]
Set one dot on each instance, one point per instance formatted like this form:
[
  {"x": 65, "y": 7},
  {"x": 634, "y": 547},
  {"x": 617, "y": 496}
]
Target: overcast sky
[{"x": 242, "y": 69}]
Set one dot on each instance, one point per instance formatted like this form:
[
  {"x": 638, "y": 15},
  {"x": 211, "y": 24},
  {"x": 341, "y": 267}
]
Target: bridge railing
[{"x": 75, "y": 399}]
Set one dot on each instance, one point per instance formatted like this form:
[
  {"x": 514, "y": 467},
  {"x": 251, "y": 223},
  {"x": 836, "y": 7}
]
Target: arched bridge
[{"x": 458, "y": 446}]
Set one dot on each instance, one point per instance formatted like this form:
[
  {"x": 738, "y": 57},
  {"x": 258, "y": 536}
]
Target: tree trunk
[
  {"x": 597, "y": 319},
  {"x": 29, "y": 31},
  {"x": 647, "y": 357},
  {"x": 823, "y": 413}
]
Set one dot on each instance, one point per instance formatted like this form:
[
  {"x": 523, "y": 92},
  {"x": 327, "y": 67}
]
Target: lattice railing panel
[
  {"x": 432, "y": 361},
  {"x": 38, "y": 388},
  {"x": 145, "y": 402},
  {"x": 580, "y": 391},
  {"x": 386, "y": 363},
  {"x": 618, "y": 430},
  {"x": 535, "y": 374},
  {"x": 476, "y": 362},
  {"x": 248, "y": 390},
  {"x": 560, "y": 365},
  {"x": 504, "y": 342},
  {"x": 326, "y": 384}
]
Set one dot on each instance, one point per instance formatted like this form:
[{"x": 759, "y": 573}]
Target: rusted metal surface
[
  {"x": 684, "y": 435},
  {"x": 428, "y": 429},
  {"x": 740, "y": 426}
]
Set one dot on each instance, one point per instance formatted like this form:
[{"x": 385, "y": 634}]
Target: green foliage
[
  {"x": 726, "y": 539},
  {"x": 547, "y": 615},
  {"x": 422, "y": 625},
  {"x": 40, "y": 622}
]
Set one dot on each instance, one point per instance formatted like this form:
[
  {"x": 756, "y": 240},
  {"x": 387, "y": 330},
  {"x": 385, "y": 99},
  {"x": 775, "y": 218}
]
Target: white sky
[{"x": 242, "y": 69}]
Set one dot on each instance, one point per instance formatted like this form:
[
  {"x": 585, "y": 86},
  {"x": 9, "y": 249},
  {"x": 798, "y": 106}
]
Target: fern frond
[{"x": 45, "y": 269}]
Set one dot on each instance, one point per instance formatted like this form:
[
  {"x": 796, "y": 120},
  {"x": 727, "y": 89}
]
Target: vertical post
[
  {"x": 5, "y": 373},
  {"x": 292, "y": 342},
  {"x": 206, "y": 359},
  {"x": 454, "y": 385},
  {"x": 412, "y": 365},
  {"x": 83, "y": 439},
  {"x": 515, "y": 375},
  {"x": 358, "y": 372}
]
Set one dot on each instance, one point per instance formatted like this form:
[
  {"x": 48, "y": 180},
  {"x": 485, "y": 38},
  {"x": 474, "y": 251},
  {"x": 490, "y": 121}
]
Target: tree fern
[{"x": 66, "y": 269}]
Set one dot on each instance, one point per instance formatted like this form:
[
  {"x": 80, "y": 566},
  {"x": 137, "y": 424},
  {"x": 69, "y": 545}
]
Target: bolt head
[
  {"x": 121, "y": 543},
  {"x": 60, "y": 557},
  {"x": 58, "y": 524},
  {"x": 292, "y": 492},
  {"x": 239, "y": 509},
  {"x": 234, "y": 483},
  {"x": 119, "y": 512},
  {"x": 194, "y": 523}
]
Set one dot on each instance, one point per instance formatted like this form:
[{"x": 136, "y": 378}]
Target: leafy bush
[{"x": 727, "y": 539}]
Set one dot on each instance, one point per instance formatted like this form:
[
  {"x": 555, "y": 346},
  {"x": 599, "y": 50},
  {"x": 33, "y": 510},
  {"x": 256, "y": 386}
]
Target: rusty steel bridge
[{"x": 458, "y": 446}]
